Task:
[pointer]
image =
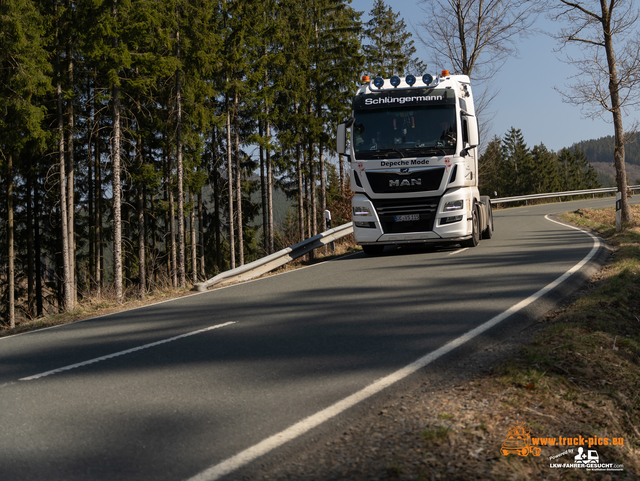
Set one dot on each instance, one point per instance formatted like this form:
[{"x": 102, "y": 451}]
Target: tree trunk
[
  {"x": 616, "y": 109},
  {"x": 263, "y": 192},
  {"x": 216, "y": 219},
  {"x": 98, "y": 252},
  {"x": 126, "y": 234},
  {"x": 201, "y": 234},
  {"x": 66, "y": 266},
  {"x": 70, "y": 175},
  {"x": 38, "y": 248},
  {"x": 181, "y": 242},
  {"x": 142, "y": 261},
  {"x": 117, "y": 193},
  {"x": 342, "y": 182},
  {"x": 313, "y": 207},
  {"x": 10, "y": 254},
  {"x": 172, "y": 228},
  {"x": 91, "y": 212},
  {"x": 232, "y": 243},
  {"x": 300, "y": 193},
  {"x": 142, "y": 235},
  {"x": 271, "y": 249},
  {"x": 194, "y": 246},
  {"x": 30, "y": 270},
  {"x": 154, "y": 244},
  {"x": 115, "y": 184},
  {"x": 323, "y": 189},
  {"x": 269, "y": 174},
  {"x": 238, "y": 180}
]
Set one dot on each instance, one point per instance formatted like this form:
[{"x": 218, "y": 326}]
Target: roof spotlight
[
  {"x": 378, "y": 82},
  {"x": 395, "y": 80},
  {"x": 410, "y": 79},
  {"x": 427, "y": 79}
]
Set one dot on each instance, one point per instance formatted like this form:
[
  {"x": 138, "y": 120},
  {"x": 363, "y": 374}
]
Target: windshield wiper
[
  {"x": 384, "y": 153},
  {"x": 426, "y": 151}
]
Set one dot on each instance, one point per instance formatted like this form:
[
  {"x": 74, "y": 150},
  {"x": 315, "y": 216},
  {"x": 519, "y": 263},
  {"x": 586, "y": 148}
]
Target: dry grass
[{"x": 94, "y": 306}]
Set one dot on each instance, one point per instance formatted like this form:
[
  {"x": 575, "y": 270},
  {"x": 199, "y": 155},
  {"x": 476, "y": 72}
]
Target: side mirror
[
  {"x": 472, "y": 132},
  {"x": 341, "y": 139}
]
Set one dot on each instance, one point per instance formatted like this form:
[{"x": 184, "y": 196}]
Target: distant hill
[{"x": 600, "y": 154}]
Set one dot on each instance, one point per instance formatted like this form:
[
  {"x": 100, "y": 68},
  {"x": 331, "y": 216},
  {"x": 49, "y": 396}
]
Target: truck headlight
[
  {"x": 453, "y": 205},
  {"x": 451, "y": 220},
  {"x": 359, "y": 211}
]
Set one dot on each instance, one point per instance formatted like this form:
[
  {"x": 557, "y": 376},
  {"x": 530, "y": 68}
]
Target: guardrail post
[
  {"x": 327, "y": 217},
  {"x": 618, "y": 211}
]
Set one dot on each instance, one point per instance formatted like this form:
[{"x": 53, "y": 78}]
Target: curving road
[{"x": 188, "y": 389}]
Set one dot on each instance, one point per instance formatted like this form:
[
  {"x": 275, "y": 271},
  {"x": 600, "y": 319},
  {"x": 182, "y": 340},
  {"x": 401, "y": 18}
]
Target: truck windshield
[{"x": 405, "y": 132}]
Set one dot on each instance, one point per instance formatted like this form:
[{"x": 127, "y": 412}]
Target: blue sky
[{"x": 526, "y": 99}]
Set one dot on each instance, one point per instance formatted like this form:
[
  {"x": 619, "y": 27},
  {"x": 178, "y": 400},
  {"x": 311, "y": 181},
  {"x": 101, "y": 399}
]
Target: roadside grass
[
  {"x": 90, "y": 306},
  {"x": 581, "y": 373}
]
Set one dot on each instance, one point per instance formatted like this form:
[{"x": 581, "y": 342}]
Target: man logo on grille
[{"x": 405, "y": 182}]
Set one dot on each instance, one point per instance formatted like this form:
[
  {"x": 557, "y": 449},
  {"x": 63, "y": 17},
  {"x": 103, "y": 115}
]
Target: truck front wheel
[
  {"x": 488, "y": 232},
  {"x": 475, "y": 234}
]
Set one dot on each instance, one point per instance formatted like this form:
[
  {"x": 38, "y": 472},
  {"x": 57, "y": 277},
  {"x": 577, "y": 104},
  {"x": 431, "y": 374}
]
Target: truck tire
[
  {"x": 487, "y": 233},
  {"x": 373, "y": 250},
  {"x": 475, "y": 232}
]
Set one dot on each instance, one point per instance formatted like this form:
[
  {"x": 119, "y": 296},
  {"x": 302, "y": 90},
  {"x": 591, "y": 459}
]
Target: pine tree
[
  {"x": 548, "y": 178},
  {"x": 517, "y": 164},
  {"x": 336, "y": 64},
  {"x": 490, "y": 169},
  {"x": 388, "y": 47},
  {"x": 23, "y": 78}
]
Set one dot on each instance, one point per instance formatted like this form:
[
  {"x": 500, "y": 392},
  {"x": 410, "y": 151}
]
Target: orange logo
[{"x": 519, "y": 442}]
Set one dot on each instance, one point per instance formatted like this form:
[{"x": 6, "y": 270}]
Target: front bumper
[{"x": 410, "y": 220}]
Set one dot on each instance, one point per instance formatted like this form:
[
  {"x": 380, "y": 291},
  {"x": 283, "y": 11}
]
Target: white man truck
[{"x": 413, "y": 149}]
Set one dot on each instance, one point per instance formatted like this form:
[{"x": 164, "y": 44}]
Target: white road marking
[
  {"x": 459, "y": 251},
  {"x": 122, "y": 353},
  {"x": 250, "y": 454}
]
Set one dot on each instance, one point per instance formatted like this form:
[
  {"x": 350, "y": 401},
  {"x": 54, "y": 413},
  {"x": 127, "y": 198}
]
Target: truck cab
[{"x": 413, "y": 150}]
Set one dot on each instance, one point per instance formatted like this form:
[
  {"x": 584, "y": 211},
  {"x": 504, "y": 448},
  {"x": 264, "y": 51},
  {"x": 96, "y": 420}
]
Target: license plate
[{"x": 406, "y": 218}]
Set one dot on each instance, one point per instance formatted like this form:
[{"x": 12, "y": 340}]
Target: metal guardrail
[
  {"x": 273, "y": 261},
  {"x": 266, "y": 264},
  {"x": 551, "y": 195}
]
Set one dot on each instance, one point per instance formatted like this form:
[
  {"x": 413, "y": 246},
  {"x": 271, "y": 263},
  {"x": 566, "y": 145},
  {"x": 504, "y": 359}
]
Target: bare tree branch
[{"x": 608, "y": 70}]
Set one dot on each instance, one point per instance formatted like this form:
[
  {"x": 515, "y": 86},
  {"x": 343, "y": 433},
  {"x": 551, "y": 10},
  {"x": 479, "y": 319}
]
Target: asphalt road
[{"x": 175, "y": 389}]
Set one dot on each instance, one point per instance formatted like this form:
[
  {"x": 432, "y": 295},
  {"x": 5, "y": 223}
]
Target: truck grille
[
  {"x": 388, "y": 210},
  {"x": 419, "y": 181}
]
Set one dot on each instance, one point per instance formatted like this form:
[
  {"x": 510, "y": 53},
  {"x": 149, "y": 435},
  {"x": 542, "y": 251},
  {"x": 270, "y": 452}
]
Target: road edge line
[{"x": 269, "y": 444}]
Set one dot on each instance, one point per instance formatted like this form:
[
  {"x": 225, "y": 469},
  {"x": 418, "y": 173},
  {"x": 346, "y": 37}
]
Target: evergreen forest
[
  {"x": 509, "y": 167},
  {"x": 600, "y": 154},
  {"x": 143, "y": 142},
  {"x": 146, "y": 144}
]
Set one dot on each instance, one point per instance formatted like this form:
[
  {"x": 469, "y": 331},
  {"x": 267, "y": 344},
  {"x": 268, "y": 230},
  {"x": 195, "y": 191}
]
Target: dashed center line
[{"x": 122, "y": 353}]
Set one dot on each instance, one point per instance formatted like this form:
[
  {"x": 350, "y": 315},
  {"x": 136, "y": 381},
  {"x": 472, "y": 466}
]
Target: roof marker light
[
  {"x": 445, "y": 73},
  {"x": 427, "y": 79},
  {"x": 378, "y": 82},
  {"x": 395, "y": 80},
  {"x": 410, "y": 79},
  {"x": 365, "y": 79}
]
